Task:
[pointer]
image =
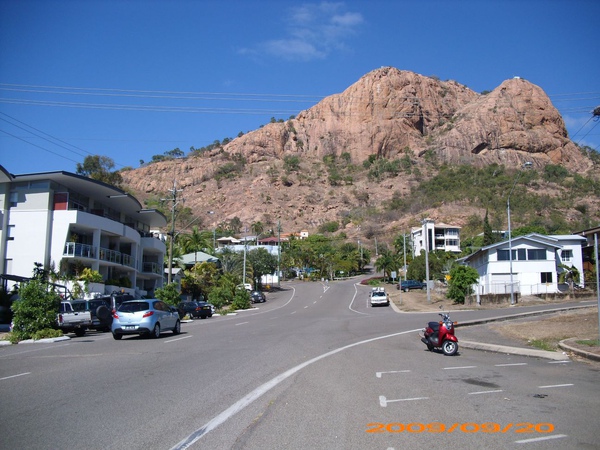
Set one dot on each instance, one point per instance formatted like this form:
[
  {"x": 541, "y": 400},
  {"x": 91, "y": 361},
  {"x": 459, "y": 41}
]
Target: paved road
[{"x": 314, "y": 367}]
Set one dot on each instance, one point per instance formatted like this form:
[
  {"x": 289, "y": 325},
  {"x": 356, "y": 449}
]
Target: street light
[{"x": 526, "y": 165}]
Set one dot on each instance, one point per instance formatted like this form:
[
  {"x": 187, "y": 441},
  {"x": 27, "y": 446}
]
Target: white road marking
[
  {"x": 485, "y": 392},
  {"x": 259, "y": 391},
  {"x": 554, "y": 386},
  {"x": 241, "y": 323},
  {"x": 378, "y": 374},
  {"x": 514, "y": 364},
  {"x": 384, "y": 401},
  {"x": 559, "y": 362},
  {"x": 15, "y": 376},
  {"x": 545, "y": 438},
  {"x": 178, "y": 339},
  {"x": 463, "y": 367}
]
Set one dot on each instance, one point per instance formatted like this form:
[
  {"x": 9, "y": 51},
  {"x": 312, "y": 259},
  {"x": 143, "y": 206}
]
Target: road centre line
[
  {"x": 378, "y": 374},
  {"x": 178, "y": 339},
  {"x": 555, "y": 386},
  {"x": 15, "y": 376},
  {"x": 485, "y": 392},
  {"x": 545, "y": 438},
  {"x": 264, "y": 388},
  {"x": 463, "y": 367},
  {"x": 512, "y": 364}
]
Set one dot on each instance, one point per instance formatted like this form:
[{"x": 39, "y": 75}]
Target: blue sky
[{"x": 133, "y": 79}]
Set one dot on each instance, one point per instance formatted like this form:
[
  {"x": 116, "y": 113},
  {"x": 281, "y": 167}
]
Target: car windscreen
[{"x": 134, "y": 307}]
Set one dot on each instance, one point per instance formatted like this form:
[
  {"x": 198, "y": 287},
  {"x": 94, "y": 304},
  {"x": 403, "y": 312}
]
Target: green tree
[
  {"x": 462, "y": 279},
  {"x": 168, "y": 294},
  {"x": 100, "y": 168},
  {"x": 488, "y": 233},
  {"x": 262, "y": 263},
  {"x": 195, "y": 242},
  {"x": 387, "y": 262}
]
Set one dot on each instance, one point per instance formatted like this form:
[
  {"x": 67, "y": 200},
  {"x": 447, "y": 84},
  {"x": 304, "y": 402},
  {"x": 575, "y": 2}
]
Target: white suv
[{"x": 379, "y": 297}]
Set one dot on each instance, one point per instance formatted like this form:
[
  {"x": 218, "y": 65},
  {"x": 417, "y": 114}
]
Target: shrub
[
  {"x": 35, "y": 310},
  {"x": 241, "y": 300},
  {"x": 169, "y": 294}
]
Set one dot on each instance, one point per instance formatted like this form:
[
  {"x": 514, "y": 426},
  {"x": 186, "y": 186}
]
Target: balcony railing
[
  {"x": 128, "y": 261},
  {"x": 110, "y": 255},
  {"x": 82, "y": 250},
  {"x": 150, "y": 267}
]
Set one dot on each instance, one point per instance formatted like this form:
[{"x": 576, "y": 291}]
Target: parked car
[
  {"x": 71, "y": 320},
  {"x": 407, "y": 285},
  {"x": 94, "y": 306},
  {"x": 148, "y": 317},
  {"x": 107, "y": 305},
  {"x": 257, "y": 297},
  {"x": 379, "y": 297},
  {"x": 195, "y": 309}
]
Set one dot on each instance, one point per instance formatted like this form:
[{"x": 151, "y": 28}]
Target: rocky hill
[{"x": 309, "y": 170}]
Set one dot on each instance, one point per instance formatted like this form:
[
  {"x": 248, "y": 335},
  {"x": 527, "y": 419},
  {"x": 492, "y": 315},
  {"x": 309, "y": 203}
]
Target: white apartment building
[
  {"x": 71, "y": 222},
  {"x": 435, "y": 237}
]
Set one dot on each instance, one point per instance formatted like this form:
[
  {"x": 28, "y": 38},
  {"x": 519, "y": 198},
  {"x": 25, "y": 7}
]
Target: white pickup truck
[{"x": 73, "y": 321}]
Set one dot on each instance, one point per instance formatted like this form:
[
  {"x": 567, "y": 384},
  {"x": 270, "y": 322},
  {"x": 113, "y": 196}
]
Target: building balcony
[{"x": 74, "y": 249}]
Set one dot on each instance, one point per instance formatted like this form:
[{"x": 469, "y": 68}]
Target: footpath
[{"x": 487, "y": 335}]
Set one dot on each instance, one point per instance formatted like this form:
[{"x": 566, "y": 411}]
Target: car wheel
[
  {"x": 210, "y": 315},
  {"x": 156, "y": 331},
  {"x": 79, "y": 332},
  {"x": 449, "y": 348},
  {"x": 203, "y": 317},
  {"x": 405, "y": 289},
  {"x": 103, "y": 314},
  {"x": 117, "y": 337},
  {"x": 177, "y": 328}
]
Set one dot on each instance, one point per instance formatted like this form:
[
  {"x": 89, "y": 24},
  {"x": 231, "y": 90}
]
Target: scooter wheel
[{"x": 449, "y": 348}]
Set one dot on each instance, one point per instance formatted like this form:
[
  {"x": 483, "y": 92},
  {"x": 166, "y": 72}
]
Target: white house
[
  {"x": 536, "y": 263},
  {"x": 72, "y": 222},
  {"x": 435, "y": 237}
]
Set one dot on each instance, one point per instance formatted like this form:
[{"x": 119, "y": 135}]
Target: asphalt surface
[{"x": 475, "y": 334}]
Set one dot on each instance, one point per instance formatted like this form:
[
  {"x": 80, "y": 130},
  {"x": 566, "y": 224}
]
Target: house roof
[
  {"x": 552, "y": 241},
  {"x": 192, "y": 258},
  {"x": 229, "y": 239}
]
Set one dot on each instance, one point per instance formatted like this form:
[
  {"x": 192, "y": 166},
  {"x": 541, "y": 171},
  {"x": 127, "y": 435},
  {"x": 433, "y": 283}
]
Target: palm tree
[
  {"x": 194, "y": 242},
  {"x": 387, "y": 262}
]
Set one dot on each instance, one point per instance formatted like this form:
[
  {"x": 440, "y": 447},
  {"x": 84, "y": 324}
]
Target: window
[
  {"x": 521, "y": 253},
  {"x": 503, "y": 255},
  {"x": 567, "y": 255},
  {"x": 546, "y": 277},
  {"x": 536, "y": 254}
]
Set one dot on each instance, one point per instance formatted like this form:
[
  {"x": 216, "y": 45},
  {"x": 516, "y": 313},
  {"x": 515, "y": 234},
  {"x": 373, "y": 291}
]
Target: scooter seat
[{"x": 435, "y": 326}]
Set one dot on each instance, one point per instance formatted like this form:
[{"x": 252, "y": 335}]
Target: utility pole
[
  {"x": 425, "y": 222},
  {"x": 174, "y": 202},
  {"x": 278, "y": 253}
]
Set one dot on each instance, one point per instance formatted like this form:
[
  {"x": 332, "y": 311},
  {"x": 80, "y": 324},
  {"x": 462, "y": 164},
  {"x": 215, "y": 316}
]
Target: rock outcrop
[{"x": 389, "y": 111}]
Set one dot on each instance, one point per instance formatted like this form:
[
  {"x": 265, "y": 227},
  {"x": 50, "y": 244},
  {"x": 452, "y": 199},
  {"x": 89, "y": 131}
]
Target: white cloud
[{"x": 313, "y": 31}]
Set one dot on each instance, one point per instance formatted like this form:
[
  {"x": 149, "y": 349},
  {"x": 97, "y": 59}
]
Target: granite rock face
[{"x": 389, "y": 112}]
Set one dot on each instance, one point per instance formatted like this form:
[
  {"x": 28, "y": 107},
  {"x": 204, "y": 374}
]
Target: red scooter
[{"x": 441, "y": 335}]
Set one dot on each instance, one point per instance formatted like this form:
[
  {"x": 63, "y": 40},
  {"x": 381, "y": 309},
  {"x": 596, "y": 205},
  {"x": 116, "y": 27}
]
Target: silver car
[{"x": 147, "y": 317}]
